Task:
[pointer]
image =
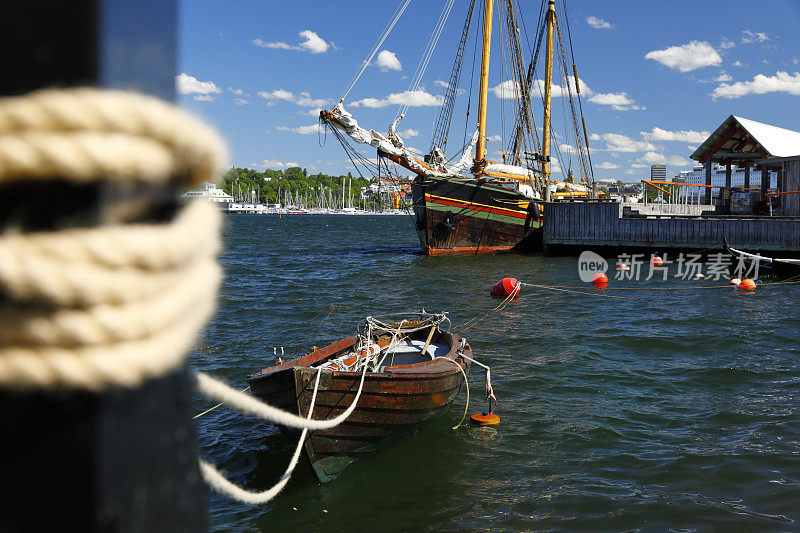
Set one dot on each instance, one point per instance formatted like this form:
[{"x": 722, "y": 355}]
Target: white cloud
[
  {"x": 655, "y": 158},
  {"x": 567, "y": 148},
  {"x": 738, "y": 63},
  {"x": 388, "y": 61},
  {"x": 237, "y": 92},
  {"x": 204, "y": 91},
  {"x": 277, "y": 94},
  {"x": 274, "y": 163},
  {"x": 446, "y": 85},
  {"x": 687, "y": 57},
  {"x": 302, "y": 130},
  {"x": 240, "y": 101},
  {"x": 616, "y": 142},
  {"x": 688, "y": 136},
  {"x": 408, "y": 133},
  {"x": 510, "y": 89},
  {"x": 726, "y": 44},
  {"x": 781, "y": 82},
  {"x": 607, "y": 165},
  {"x": 617, "y": 101},
  {"x": 418, "y": 98},
  {"x": 312, "y": 43},
  {"x": 723, "y": 76},
  {"x": 303, "y": 99},
  {"x": 750, "y": 37},
  {"x": 598, "y": 23}
]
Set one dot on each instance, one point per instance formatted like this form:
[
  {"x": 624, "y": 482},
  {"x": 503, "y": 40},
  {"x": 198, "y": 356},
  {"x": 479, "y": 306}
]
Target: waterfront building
[
  {"x": 658, "y": 173},
  {"x": 697, "y": 176}
]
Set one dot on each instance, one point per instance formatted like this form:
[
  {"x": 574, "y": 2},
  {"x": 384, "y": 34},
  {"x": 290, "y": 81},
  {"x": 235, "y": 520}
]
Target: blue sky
[{"x": 656, "y": 76}]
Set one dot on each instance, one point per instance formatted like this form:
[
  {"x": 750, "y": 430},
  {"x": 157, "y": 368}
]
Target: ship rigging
[{"x": 468, "y": 203}]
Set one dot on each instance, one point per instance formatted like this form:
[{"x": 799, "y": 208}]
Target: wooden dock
[{"x": 580, "y": 225}]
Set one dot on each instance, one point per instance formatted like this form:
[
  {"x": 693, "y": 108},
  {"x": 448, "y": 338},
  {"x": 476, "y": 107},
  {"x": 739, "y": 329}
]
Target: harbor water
[{"x": 669, "y": 409}]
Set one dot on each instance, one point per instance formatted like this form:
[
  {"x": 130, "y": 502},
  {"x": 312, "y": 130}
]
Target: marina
[{"x": 217, "y": 316}]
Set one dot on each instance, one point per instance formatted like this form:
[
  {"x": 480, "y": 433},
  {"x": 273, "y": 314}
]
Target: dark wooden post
[
  {"x": 747, "y": 175},
  {"x": 764, "y": 181},
  {"x": 728, "y": 174},
  {"x": 123, "y": 459},
  {"x": 708, "y": 182}
]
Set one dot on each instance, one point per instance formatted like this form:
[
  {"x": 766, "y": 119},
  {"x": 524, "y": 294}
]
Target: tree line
[{"x": 272, "y": 186}]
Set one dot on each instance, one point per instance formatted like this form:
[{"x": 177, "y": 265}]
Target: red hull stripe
[{"x": 475, "y": 207}]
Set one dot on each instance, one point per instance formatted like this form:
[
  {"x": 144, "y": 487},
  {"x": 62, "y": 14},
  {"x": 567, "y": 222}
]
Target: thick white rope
[
  {"x": 87, "y": 134},
  {"x": 218, "y": 482},
  {"x": 246, "y": 403},
  {"x": 99, "y": 307}
]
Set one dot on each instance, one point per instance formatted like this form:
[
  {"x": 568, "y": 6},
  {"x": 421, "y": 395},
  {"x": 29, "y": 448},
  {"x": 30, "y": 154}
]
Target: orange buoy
[
  {"x": 747, "y": 284},
  {"x": 623, "y": 266},
  {"x": 657, "y": 261},
  {"x": 506, "y": 287},
  {"x": 735, "y": 281},
  {"x": 485, "y": 419},
  {"x": 600, "y": 279}
]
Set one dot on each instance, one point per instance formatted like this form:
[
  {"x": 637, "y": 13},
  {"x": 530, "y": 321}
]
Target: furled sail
[{"x": 392, "y": 145}]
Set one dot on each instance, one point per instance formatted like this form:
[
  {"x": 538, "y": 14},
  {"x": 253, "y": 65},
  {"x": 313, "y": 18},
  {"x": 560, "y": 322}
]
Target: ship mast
[
  {"x": 548, "y": 83},
  {"x": 480, "y": 149}
]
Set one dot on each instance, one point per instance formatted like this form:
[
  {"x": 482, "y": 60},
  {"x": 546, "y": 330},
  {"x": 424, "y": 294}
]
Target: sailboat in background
[{"x": 468, "y": 203}]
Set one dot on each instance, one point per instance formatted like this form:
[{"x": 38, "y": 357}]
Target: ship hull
[{"x": 461, "y": 216}]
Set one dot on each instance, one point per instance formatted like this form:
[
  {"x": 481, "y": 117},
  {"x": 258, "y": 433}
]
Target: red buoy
[
  {"x": 657, "y": 261},
  {"x": 506, "y": 287},
  {"x": 600, "y": 279},
  {"x": 747, "y": 284},
  {"x": 484, "y": 419}
]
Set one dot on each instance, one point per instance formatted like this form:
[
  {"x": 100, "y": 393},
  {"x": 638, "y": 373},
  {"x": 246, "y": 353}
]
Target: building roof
[{"x": 749, "y": 138}]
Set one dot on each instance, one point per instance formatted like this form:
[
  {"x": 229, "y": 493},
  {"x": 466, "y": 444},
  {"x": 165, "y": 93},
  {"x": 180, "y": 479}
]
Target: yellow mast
[
  {"x": 548, "y": 83},
  {"x": 480, "y": 149}
]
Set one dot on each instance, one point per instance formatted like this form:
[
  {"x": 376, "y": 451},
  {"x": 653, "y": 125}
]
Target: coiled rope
[
  {"x": 112, "y": 306},
  {"x": 99, "y": 307}
]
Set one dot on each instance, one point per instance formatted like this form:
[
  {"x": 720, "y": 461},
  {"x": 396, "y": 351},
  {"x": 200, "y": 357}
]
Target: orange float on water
[
  {"x": 655, "y": 260},
  {"x": 485, "y": 419},
  {"x": 506, "y": 287},
  {"x": 747, "y": 284},
  {"x": 735, "y": 281},
  {"x": 600, "y": 279}
]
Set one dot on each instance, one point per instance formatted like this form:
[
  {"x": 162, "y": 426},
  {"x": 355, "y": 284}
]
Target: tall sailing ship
[{"x": 468, "y": 203}]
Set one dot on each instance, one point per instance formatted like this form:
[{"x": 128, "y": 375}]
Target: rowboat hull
[
  {"x": 392, "y": 403},
  {"x": 459, "y": 216}
]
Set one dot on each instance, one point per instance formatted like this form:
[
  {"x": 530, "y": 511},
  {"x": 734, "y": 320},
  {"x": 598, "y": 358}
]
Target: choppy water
[{"x": 677, "y": 410}]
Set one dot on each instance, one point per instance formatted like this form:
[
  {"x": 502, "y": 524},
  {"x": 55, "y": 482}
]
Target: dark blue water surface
[{"x": 673, "y": 410}]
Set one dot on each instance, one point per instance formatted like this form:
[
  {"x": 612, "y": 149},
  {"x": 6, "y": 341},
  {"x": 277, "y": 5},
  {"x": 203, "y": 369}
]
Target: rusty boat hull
[{"x": 392, "y": 404}]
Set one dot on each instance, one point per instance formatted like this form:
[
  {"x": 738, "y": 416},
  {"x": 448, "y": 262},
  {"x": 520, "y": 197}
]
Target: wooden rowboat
[{"x": 414, "y": 372}]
